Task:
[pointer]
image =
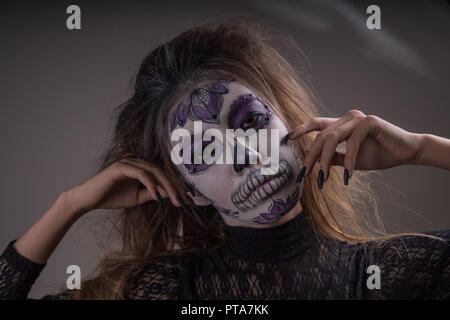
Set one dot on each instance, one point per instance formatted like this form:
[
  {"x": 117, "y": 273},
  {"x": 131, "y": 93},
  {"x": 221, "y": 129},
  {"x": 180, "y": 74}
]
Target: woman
[{"x": 225, "y": 231}]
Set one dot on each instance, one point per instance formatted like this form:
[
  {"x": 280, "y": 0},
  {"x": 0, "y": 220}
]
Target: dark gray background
[{"x": 58, "y": 89}]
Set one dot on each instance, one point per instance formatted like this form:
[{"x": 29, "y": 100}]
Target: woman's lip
[{"x": 258, "y": 188}]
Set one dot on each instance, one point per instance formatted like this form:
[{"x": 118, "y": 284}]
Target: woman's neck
[{"x": 237, "y": 223}]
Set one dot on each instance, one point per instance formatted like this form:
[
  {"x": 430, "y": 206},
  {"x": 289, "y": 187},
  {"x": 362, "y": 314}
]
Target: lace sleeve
[
  {"x": 17, "y": 274},
  {"x": 158, "y": 280},
  {"x": 412, "y": 267}
]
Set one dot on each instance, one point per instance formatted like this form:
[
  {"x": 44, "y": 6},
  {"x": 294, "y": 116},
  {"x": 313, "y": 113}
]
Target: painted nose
[{"x": 238, "y": 167}]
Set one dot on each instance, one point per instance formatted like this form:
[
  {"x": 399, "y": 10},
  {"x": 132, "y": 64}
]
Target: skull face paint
[
  {"x": 203, "y": 104},
  {"x": 238, "y": 191}
]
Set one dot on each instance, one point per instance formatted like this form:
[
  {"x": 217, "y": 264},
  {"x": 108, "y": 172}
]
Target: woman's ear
[{"x": 199, "y": 199}]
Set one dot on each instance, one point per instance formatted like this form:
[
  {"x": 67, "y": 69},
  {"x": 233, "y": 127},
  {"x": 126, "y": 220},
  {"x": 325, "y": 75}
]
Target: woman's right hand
[{"x": 125, "y": 183}]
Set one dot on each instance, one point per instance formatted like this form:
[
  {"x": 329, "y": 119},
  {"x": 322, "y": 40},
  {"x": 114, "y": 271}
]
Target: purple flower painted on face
[
  {"x": 228, "y": 212},
  {"x": 203, "y": 104},
  {"x": 181, "y": 114},
  {"x": 277, "y": 209},
  {"x": 194, "y": 168}
]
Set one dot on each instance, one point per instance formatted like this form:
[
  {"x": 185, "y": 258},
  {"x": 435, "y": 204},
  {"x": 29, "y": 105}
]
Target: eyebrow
[
  {"x": 239, "y": 100},
  {"x": 235, "y": 104}
]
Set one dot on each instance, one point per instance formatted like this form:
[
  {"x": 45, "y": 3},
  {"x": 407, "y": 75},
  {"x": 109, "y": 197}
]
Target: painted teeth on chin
[
  {"x": 246, "y": 190},
  {"x": 248, "y": 197},
  {"x": 261, "y": 196},
  {"x": 260, "y": 179},
  {"x": 247, "y": 204},
  {"x": 267, "y": 188},
  {"x": 273, "y": 184},
  {"x": 252, "y": 202},
  {"x": 252, "y": 184},
  {"x": 278, "y": 183},
  {"x": 255, "y": 181},
  {"x": 239, "y": 198},
  {"x": 244, "y": 208},
  {"x": 254, "y": 199},
  {"x": 263, "y": 193},
  {"x": 241, "y": 195}
]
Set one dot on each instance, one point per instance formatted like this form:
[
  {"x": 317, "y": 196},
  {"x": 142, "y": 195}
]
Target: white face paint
[{"x": 236, "y": 190}]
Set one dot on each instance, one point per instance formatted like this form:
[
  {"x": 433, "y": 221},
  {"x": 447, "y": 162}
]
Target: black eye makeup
[{"x": 248, "y": 112}]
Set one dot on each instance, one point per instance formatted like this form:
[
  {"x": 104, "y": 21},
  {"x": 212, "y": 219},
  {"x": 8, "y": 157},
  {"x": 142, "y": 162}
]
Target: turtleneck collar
[{"x": 277, "y": 243}]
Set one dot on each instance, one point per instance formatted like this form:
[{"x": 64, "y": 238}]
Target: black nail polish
[
  {"x": 301, "y": 175},
  {"x": 191, "y": 201},
  {"x": 159, "y": 197},
  {"x": 190, "y": 188},
  {"x": 286, "y": 137},
  {"x": 182, "y": 203},
  {"x": 320, "y": 179},
  {"x": 346, "y": 176}
]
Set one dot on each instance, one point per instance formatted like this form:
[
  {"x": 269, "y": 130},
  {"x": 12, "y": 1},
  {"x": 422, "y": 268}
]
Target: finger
[
  {"x": 328, "y": 151},
  {"x": 313, "y": 124},
  {"x": 142, "y": 176},
  {"x": 162, "y": 179},
  {"x": 362, "y": 130},
  {"x": 190, "y": 194},
  {"x": 180, "y": 188},
  {"x": 322, "y": 123},
  {"x": 173, "y": 189},
  {"x": 332, "y": 140},
  {"x": 144, "y": 195},
  {"x": 162, "y": 192},
  {"x": 313, "y": 154}
]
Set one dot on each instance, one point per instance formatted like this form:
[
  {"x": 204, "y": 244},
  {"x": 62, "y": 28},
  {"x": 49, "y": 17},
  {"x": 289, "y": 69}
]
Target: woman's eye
[{"x": 251, "y": 120}]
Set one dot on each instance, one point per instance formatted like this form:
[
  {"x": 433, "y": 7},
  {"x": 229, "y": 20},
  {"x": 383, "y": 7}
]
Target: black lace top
[{"x": 285, "y": 262}]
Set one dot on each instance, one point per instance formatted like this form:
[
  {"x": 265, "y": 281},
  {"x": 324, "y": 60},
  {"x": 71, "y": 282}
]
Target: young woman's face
[{"x": 237, "y": 190}]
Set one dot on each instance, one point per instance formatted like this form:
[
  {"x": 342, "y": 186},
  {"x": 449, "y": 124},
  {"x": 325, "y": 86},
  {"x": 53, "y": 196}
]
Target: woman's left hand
[{"x": 371, "y": 143}]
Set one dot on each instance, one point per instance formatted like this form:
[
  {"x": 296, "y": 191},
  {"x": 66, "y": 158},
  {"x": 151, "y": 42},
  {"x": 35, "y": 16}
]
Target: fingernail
[
  {"x": 320, "y": 179},
  {"x": 346, "y": 176},
  {"x": 158, "y": 196},
  {"x": 180, "y": 200},
  {"x": 286, "y": 137},
  {"x": 191, "y": 201},
  {"x": 301, "y": 174}
]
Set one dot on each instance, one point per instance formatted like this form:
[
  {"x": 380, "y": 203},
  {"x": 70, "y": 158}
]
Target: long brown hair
[{"x": 229, "y": 48}]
